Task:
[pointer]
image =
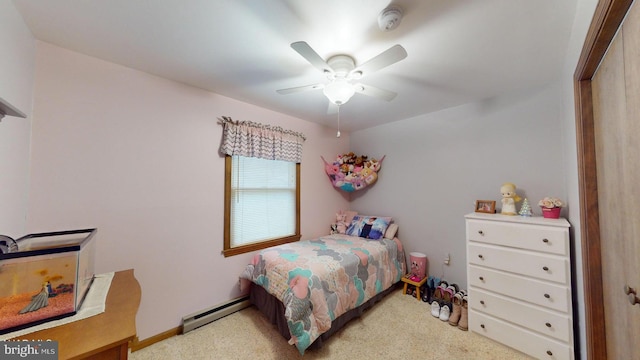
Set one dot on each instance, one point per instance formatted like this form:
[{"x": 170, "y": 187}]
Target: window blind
[{"x": 263, "y": 200}]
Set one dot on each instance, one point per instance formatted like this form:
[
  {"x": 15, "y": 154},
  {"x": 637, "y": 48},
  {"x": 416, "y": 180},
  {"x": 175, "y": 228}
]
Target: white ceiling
[{"x": 459, "y": 51}]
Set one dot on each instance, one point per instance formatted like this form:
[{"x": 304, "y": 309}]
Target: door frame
[{"x": 607, "y": 18}]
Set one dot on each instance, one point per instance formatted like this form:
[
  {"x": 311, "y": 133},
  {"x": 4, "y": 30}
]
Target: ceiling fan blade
[
  {"x": 374, "y": 92},
  {"x": 384, "y": 59},
  {"x": 312, "y": 56},
  {"x": 300, "y": 89}
]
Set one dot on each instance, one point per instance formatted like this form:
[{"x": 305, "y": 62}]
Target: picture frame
[{"x": 486, "y": 206}]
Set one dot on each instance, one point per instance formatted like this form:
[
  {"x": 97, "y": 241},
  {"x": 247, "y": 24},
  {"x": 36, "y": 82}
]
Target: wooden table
[{"x": 103, "y": 336}]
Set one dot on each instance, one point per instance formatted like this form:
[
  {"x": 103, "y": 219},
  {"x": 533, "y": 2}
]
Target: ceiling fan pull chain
[{"x": 338, "y": 133}]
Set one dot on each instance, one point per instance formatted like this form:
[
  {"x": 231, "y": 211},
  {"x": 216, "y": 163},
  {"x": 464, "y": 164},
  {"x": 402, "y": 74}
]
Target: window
[
  {"x": 262, "y": 203},
  {"x": 261, "y": 185}
]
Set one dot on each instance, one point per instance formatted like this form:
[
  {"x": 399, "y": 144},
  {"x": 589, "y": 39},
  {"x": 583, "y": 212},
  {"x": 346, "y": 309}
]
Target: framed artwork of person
[{"x": 486, "y": 206}]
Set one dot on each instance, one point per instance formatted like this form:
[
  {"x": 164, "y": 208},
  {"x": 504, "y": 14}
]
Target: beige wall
[
  {"x": 16, "y": 86},
  {"x": 437, "y": 165},
  {"x": 137, "y": 157}
]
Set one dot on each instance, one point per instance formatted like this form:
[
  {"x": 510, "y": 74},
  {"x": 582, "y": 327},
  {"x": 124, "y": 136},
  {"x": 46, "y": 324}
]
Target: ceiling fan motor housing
[{"x": 341, "y": 65}]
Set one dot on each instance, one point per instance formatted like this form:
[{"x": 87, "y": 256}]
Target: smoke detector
[{"x": 389, "y": 18}]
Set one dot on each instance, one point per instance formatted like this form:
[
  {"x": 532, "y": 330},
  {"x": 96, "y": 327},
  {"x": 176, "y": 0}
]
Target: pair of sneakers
[
  {"x": 442, "y": 300},
  {"x": 460, "y": 314},
  {"x": 441, "y": 312}
]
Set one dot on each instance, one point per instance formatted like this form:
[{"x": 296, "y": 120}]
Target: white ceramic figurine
[{"x": 509, "y": 199}]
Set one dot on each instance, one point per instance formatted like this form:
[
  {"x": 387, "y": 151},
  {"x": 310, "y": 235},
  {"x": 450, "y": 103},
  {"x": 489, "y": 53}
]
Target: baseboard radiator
[{"x": 212, "y": 314}]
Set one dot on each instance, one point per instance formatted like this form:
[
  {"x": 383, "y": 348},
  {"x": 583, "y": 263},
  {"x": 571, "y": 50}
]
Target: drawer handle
[
  {"x": 549, "y": 353},
  {"x": 481, "y": 278},
  {"x": 545, "y": 240},
  {"x": 482, "y": 326},
  {"x": 547, "y": 296},
  {"x": 481, "y": 302},
  {"x": 480, "y": 256},
  {"x": 632, "y": 295},
  {"x": 481, "y": 232},
  {"x": 629, "y": 290},
  {"x": 548, "y": 325},
  {"x": 545, "y": 268}
]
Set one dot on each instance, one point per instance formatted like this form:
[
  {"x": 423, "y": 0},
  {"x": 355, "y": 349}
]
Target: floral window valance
[{"x": 252, "y": 139}]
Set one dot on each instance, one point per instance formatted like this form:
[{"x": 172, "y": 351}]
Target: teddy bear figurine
[{"x": 509, "y": 199}]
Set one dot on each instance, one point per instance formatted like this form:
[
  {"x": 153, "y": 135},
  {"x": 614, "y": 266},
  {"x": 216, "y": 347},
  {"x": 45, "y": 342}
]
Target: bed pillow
[
  {"x": 369, "y": 227},
  {"x": 391, "y": 232},
  {"x": 349, "y": 215}
]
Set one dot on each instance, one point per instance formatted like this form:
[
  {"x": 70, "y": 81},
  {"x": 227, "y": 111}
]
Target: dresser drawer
[
  {"x": 545, "y": 267},
  {"x": 528, "y": 316},
  {"x": 537, "y": 292},
  {"x": 552, "y": 240},
  {"x": 518, "y": 338}
]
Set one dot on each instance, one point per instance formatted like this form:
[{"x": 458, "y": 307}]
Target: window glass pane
[{"x": 263, "y": 200}]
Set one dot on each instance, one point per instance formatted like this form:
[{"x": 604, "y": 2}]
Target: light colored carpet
[{"x": 398, "y": 327}]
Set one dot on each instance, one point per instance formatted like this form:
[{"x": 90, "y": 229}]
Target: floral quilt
[{"x": 321, "y": 279}]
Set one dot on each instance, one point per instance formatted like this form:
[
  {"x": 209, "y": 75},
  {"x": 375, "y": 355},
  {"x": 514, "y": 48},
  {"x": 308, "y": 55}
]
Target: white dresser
[{"x": 519, "y": 277}]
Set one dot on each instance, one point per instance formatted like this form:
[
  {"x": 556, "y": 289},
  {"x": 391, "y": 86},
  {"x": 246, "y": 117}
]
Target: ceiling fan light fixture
[{"x": 339, "y": 92}]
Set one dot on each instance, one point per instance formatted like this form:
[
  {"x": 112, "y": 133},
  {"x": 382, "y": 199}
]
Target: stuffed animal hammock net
[{"x": 350, "y": 172}]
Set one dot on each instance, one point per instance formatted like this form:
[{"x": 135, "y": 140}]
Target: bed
[{"x": 309, "y": 289}]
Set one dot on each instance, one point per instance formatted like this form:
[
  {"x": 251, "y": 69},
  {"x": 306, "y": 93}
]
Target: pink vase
[{"x": 553, "y": 213}]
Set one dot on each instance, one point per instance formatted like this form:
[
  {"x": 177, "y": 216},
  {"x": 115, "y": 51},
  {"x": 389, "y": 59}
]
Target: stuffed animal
[
  {"x": 350, "y": 172},
  {"x": 509, "y": 199},
  {"x": 360, "y": 160},
  {"x": 374, "y": 165},
  {"x": 331, "y": 171},
  {"x": 369, "y": 176},
  {"x": 358, "y": 183},
  {"x": 340, "y": 225}
]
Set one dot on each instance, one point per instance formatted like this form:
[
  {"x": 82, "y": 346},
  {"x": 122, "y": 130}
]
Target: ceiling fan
[{"x": 343, "y": 74}]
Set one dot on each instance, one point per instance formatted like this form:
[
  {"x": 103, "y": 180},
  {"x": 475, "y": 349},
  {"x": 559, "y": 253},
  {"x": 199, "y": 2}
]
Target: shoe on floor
[
  {"x": 434, "y": 286},
  {"x": 463, "y": 324},
  {"x": 448, "y": 293},
  {"x": 410, "y": 291},
  {"x": 457, "y": 309},
  {"x": 426, "y": 293},
  {"x": 444, "y": 313},
  {"x": 435, "y": 309},
  {"x": 439, "y": 291}
]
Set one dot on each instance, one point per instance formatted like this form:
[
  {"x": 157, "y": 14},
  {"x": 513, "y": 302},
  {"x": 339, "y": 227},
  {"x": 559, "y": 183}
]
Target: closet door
[{"x": 616, "y": 115}]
